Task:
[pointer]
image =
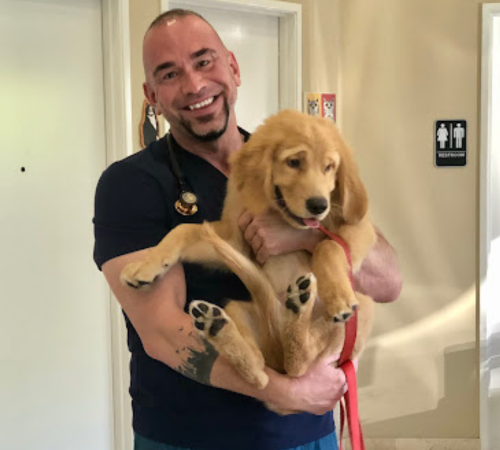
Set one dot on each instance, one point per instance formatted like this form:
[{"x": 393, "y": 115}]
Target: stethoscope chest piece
[{"x": 186, "y": 205}]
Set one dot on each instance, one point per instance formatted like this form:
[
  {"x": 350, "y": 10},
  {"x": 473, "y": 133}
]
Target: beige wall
[
  {"x": 397, "y": 66},
  {"x": 405, "y": 64}
]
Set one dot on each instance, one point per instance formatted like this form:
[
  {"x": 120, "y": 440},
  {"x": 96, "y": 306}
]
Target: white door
[
  {"x": 254, "y": 39},
  {"x": 55, "y": 372}
]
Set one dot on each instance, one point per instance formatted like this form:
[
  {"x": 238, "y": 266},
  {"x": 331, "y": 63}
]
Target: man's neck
[{"x": 216, "y": 152}]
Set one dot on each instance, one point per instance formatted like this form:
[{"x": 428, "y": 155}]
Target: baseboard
[{"x": 419, "y": 444}]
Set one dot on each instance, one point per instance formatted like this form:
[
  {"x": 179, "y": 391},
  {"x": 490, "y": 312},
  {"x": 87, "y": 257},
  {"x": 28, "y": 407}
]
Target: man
[{"x": 192, "y": 79}]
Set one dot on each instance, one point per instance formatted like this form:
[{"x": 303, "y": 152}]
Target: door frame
[
  {"x": 119, "y": 141},
  {"x": 290, "y": 38},
  {"x": 489, "y": 393},
  {"x": 119, "y": 144}
]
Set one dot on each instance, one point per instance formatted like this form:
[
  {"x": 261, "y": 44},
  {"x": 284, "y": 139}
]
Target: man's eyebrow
[
  {"x": 163, "y": 66},
  {"x": 168, "y": 64},
  {"x": 201, "y": 52}
]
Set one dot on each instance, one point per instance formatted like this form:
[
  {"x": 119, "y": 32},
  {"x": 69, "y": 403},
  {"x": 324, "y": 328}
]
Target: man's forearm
[
  {"x": 183, "y": 350},
  {"x": 379, "y": 275}
]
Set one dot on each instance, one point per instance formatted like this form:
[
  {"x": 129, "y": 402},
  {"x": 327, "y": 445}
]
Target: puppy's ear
[
  {"x": 250, "y": 171},
  {"x": 350, "y": 193}
]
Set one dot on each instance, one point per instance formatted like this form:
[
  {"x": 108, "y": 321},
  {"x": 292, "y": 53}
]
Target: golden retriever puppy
[{"x": 298, "y": 166}]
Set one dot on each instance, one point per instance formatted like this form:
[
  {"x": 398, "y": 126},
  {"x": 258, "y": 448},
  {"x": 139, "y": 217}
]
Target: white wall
[{"x": 55, "y": 376}]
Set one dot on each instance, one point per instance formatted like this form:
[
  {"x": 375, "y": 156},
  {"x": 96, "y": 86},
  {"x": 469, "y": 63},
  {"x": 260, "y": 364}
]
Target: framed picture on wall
[{"x": 149, "y": 127}]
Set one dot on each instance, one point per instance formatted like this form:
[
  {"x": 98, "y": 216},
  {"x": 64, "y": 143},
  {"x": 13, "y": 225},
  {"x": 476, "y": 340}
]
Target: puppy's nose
[{"x": 316, "y": 205}]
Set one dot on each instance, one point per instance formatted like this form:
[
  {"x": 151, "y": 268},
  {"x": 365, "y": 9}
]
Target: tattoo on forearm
[{"x": 198, "y": 363}]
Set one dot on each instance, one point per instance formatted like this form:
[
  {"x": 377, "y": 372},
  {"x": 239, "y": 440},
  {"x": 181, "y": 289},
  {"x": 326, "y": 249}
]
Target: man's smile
[{"x": 202, "y": 104}]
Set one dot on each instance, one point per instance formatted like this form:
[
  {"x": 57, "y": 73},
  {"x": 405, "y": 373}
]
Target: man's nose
[{"x": 192, "y": 83}]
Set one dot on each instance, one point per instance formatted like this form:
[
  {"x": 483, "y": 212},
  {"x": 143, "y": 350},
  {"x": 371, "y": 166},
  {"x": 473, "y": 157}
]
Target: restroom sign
[{"x": 451, "y": 143}]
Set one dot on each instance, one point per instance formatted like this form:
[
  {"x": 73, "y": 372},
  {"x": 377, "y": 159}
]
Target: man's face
[{"x": 191, "y": 78}]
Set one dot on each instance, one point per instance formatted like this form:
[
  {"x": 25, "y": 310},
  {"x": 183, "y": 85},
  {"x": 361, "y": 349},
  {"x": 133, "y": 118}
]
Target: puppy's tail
[{"x": 250, "y": 274}]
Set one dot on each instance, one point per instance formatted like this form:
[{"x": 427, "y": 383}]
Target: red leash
[{"x": 351, "y": 396}]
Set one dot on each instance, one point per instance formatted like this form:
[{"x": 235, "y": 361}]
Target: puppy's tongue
[{"x": 311, "y": 223}]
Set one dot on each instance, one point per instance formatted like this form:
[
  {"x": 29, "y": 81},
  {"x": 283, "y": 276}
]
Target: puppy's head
[{"x": 299, "y": 166}]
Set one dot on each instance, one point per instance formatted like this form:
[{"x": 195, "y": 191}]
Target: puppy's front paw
[
  {"x": 341, "y": 310},
  {"x": 142, "y": 273}
]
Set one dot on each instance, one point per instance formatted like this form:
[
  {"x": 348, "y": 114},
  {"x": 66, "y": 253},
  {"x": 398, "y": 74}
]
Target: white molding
[
  {"x": 290, "y": 23},
  {"x": 490, "y": 435},
  {"x": 118, "y": 114},
  {"x": 268, "y": 7}
]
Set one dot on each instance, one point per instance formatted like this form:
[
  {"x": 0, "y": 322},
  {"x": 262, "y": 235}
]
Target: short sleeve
[{"x": 130, "y": 212}]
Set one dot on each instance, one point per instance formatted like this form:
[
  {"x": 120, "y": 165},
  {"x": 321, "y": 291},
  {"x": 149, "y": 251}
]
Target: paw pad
[
  {"x": 299, "y": 293},
  {"x": 207, "y": 318}
]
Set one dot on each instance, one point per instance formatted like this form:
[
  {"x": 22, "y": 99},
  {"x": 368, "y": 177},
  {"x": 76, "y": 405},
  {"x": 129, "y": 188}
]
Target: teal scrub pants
[{"x": 327, "y": 443}]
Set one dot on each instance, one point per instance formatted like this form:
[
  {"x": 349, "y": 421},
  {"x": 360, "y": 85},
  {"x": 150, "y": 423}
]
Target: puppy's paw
[
  {"x": 140, "y": 274},
  {"x": 209, "y": 319},
  {"x": 341, "y": 310},
  {"x": 301, "y": 294}
]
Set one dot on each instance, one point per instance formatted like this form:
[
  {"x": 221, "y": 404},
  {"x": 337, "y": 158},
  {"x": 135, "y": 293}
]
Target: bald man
[{"x": 184, "y": 395}]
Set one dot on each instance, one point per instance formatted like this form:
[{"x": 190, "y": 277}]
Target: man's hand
[
  {"x": 269, "y": 235},
  {"x": 318, "y": 390}
]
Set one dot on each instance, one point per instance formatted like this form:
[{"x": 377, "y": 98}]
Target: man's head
[{"x": 191, "y": 78}]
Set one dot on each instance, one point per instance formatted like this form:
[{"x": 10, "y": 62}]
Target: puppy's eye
[
  {"x": 328, "y": 168},
  {"x": 293, "y": 163}
]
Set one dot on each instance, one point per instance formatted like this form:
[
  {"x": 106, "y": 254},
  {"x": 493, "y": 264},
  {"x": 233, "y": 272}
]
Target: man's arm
[
  {"x": 168, "y": 336},
  {"x": 268, "y": 235},
  {"x": 379, "y": 275}
]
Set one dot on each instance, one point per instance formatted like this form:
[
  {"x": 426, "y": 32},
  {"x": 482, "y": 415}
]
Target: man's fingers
[
  {"x": 262, "y": 256},
  {"x": 244, "y": 220},
  {"x": 256, "y": 243},
  {"x": 331, "y": 360},
  {"x": 250, "y": 232}
]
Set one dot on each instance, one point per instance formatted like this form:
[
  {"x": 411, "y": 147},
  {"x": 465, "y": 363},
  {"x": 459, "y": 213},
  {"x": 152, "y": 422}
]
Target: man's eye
[
  {"x": 204, "y": 63},
  {"x": 293, "y": 163},
  {"x": 169, "y": 75}
]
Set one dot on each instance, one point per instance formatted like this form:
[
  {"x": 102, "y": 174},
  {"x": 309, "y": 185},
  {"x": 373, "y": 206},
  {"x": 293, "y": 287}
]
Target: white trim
[
  {"x": 268, "y": 7},
  {"x": 118, "y": 113},
  {"x": 490, "y": 435},
  {"x": 290, "y": 23}
]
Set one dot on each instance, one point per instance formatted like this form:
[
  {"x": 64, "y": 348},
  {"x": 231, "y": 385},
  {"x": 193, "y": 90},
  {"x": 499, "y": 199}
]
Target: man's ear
[
  {"x": 150, "y": 96},
  {"x": 233, "y": 64}
]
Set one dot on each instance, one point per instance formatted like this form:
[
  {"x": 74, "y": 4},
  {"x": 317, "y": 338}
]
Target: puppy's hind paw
[
  {"x": 300, "y": 293},
  {"x": 209, "y": 319}
]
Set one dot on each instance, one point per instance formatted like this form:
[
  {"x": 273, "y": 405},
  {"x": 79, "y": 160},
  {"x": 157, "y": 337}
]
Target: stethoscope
[{"x": 187, "y": 202}]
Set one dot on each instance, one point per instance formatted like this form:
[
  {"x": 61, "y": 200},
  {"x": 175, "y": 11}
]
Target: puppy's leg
[
  {"x": 366, "y": 316},
  {"x": 184, "y": 242},
  {"x": 328, "y": 337},
  {"x": 220, "y": 330},
  {"x": 298, "y": 352},
  {"x": 331, "y": 268}
]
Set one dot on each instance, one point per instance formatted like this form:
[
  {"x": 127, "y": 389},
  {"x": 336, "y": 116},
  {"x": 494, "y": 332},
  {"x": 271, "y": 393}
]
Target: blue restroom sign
[{"x": 450, "y": 140}]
